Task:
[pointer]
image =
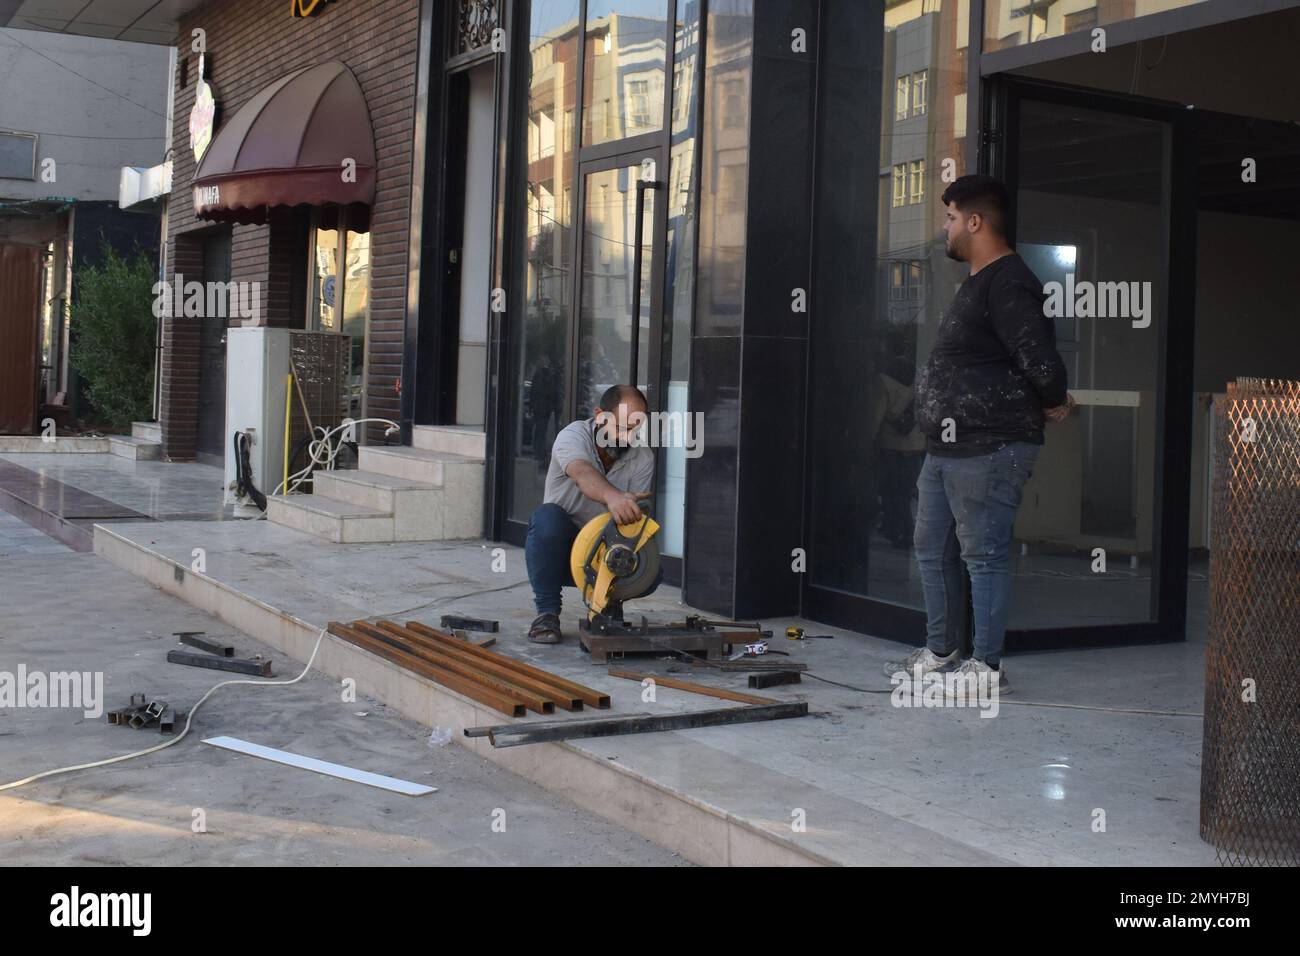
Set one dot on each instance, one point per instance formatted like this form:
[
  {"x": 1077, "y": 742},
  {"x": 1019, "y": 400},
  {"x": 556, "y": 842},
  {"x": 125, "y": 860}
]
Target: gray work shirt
[{"x": 575, "y": 442}]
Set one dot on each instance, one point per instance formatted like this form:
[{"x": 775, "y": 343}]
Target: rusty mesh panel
[
  {"x": 319, "y": 360},
  {"x": 1250, "y": 765}
]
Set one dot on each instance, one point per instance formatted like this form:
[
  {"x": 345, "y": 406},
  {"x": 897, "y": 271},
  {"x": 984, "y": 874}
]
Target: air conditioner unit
[{"x": 259, "y": 361}]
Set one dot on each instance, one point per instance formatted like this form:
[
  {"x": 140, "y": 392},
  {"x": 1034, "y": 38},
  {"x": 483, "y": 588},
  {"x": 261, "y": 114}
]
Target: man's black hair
[
  {"x": 985, "y": 195},
  {"x": 617, "y": 395}
]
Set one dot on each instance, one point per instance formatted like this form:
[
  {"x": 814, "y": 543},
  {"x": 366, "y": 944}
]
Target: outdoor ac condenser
[
  {"x": 258, "y": 362},
  {"x": 257, "y": 371}
]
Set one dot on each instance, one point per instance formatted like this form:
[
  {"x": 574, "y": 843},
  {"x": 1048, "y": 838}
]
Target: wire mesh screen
[
  {"x": 319, "y": 363},
  {"x": 1250, "y": 767}
]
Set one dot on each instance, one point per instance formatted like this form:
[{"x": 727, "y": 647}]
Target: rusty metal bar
[
  {"x": 506, "y": 705},
  {"x": 550, "y": 692},
  {"x": 589, "y": 696},
  {"x": 533, "y": 701},
  {"x": 718, "y": 692}
]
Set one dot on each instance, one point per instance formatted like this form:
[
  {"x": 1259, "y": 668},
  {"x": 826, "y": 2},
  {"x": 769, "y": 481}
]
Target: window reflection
[
  {"x": 540, "y": 365},
  {"x": 325, "y": 274},
  {"x": 679, "y": 269},
  {"x": 1010, "y": 23},
  {"x": 356, "y": 311},
  {"x": 608, "y": 257},
  {"x": 625, "y": 65},
  {"x": 922, "y": 148}
]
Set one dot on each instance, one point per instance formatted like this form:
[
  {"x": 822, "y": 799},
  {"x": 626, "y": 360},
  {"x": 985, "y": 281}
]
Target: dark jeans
[
  {"x": 965, "y": 512},
  {"x": 546, "y": 552}
]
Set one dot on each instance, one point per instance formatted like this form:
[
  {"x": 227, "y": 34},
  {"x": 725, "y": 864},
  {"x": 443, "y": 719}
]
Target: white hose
[{"x": 322, "y": 453}]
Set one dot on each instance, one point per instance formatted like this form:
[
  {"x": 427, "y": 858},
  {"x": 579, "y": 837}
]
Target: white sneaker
[
  {"x": 977, "y": 678},
  {"x": 924, "y": 658}
]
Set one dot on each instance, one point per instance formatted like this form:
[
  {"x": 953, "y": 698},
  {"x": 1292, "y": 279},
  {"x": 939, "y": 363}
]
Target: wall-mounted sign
[
  {"x": 306, "y": 8},
  {"x": 203, "y": 116},
  {"x": 206, "y": 196}
]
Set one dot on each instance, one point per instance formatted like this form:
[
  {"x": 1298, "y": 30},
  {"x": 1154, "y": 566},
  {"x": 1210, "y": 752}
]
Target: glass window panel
[
  {"x": 540, "y": 365},
  {"x": 325, "y": 273},
  {"x": 679, "y": 275},
  {"x": 605, "y": 320},
  {"x": 356, "y": 314},
  {"x": 625, "y": 67},
  {"x": 870, "y": 474}
]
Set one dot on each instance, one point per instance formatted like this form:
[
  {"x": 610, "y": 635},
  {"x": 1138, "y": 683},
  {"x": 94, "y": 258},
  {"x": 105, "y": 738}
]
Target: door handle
[{"x": 638, "y": 231}]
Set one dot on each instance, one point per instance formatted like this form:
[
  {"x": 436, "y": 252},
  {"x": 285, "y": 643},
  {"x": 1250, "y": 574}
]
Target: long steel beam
[{"x": 515, "y": 735}]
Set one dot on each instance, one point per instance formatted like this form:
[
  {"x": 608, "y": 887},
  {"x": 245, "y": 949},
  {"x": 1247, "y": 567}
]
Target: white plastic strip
[{"x": 321, "y": 766}]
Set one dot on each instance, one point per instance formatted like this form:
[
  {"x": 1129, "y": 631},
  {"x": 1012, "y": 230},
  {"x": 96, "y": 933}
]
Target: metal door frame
[{"x": 658, "y": 253}]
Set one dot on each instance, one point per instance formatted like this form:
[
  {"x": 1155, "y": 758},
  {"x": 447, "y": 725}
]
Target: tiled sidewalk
[{"x": 18, "y": 537}]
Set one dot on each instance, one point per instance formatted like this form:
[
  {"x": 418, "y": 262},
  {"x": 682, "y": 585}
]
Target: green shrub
[{"x": 113, "y": 336}]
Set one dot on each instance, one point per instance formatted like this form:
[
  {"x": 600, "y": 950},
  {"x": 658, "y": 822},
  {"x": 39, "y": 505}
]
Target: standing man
[
  {"x": 596, "y": 468},
  {"x": 993, "y": 378}
]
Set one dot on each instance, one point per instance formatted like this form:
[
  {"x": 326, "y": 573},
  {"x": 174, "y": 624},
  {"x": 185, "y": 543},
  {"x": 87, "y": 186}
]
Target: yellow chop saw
[{"x": 613, "y": 563}]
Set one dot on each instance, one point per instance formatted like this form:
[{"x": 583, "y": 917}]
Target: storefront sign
[
  {"x": 203, "y": 116},
  {"x": 206, "y": 196},
  {"x": 306, "y": 8}
]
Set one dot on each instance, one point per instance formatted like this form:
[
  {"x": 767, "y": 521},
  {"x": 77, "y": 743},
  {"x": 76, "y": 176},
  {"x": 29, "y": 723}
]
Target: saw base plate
[{"x": 604, "y": 638}]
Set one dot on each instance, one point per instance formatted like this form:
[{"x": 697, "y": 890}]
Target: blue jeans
[
  {"x": 546, "y": 552},
  {"x": 965, "y": 512}
]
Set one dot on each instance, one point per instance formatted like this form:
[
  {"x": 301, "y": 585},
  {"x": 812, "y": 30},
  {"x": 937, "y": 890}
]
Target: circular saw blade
[{"x": 641, "y": 580}]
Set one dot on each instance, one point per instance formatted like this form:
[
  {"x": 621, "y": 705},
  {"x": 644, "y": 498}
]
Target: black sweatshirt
[{"x": 994, "y": 366}]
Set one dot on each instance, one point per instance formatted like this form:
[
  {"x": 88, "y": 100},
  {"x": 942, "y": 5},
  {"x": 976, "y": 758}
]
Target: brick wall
[
  {"x": 179, "y": 404},
  {"x": 250, "y": 43}
]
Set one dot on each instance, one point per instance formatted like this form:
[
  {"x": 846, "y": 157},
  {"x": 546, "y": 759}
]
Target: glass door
[
  {"x": 604, "y": 249},
  {"x": 1103, "y": 212},
  {"x": 619, "y": 307},
  {"x": 1100, "y": 204}
]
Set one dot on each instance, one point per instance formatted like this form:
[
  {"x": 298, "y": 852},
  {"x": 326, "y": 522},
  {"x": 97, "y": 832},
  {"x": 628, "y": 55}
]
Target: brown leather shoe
[{"x": 545, "y": 629}]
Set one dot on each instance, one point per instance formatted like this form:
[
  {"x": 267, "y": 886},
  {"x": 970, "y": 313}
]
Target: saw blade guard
[{"x": 612, "y": 563}]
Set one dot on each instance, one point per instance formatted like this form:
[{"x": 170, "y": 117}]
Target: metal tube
[
  {"x": 540, "y": 703},
  {"x": 589, "y": 696},
  {"x": 550, "y": 692},
  {"x": 506, "y": 705}
]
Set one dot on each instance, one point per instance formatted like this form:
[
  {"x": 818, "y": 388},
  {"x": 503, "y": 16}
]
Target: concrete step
[
  {"x": 137, "y": 449},
  {"x": 418, "y": 508},
  {"x": 149, "y": 431},
  {"x": 368, "y": 488},
  {"x": 338, "y": 521},
  {"x": 35, "y": 444},
  {"x": 417, "y": 464},
  {"x": 458, "y": 478},
  {"x": 467, "y": 440}
]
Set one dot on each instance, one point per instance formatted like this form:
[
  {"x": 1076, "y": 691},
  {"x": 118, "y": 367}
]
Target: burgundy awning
[{"x": 287, "y": 146}]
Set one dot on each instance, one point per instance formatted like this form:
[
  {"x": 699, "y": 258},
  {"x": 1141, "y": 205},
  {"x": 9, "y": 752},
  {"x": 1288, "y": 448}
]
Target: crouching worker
[{"x": 595, "y": 469}]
